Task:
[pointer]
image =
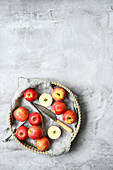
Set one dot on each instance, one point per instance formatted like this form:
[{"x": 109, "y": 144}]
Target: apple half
[
  {"x": 54, "y": 132},
  {"x": 46, "y": 99}
]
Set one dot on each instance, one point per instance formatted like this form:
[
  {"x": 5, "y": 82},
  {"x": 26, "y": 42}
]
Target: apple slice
[
  {"x": 46, "y": 99},
  {"x": 54, "y": 132}
]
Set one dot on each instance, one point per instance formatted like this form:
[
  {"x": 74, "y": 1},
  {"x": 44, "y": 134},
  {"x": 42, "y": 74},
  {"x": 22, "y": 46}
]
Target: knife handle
[{"x": 67, "y": 128}]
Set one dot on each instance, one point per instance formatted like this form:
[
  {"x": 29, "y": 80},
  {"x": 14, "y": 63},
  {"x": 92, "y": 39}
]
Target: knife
[
  {"x": 52, "y": 116},
  {"x": 7, "y": 132}
]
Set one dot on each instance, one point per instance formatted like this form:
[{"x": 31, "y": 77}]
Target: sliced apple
[
  {"x": 46, "y": 99},
  {"x": 54, "y": 132}
]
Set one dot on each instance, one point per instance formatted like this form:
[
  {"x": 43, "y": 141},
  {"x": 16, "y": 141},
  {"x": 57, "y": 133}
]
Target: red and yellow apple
[
  {"x": 21, "y": 133},
  {"x": 59, "y": 108},
  {"x": 30, "y": 95},
  {"x": 46, "y": 99},
  {"x": 35, "y": 132},
  {"x": 58, "y": 94},
  {"x": 54, "y": 132},
  {"x": 35, "y": 118},
  {"x": 69, "y": 117},
  {"x": 42, "y": 144},
  {"x": 21, "y": 114}
]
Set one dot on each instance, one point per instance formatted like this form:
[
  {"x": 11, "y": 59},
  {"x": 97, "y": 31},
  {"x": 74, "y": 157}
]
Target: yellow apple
[{"x": 58, "y": 94}]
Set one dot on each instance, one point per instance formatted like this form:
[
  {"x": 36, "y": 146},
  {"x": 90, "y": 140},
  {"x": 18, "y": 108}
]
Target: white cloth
[{"x": 58, "y": 146}]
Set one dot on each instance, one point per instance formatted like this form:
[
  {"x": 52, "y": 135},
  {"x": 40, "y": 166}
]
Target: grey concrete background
[{"x": 70, "y": 42}]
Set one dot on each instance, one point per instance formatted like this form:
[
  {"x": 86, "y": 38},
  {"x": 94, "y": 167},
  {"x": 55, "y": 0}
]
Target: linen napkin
[{"x": 58, "y": 146}]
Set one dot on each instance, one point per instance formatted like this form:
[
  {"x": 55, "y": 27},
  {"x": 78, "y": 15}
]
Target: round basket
[{"x": 34, "y": 149}]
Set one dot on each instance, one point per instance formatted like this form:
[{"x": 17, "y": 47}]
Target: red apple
[
  {"x": 35, "y": 132},
  {"x": 35, "y": 118},
  {"x": 42, "y": 144},
  {"x": 59, "y": 108},
  {"x": 58, "y": 94},
  {"x": 21, "y": 133},
  {"x": 30, "y": 95},
  {"x": 21, "y": 114},
  {"x": 69, "y": 117}
]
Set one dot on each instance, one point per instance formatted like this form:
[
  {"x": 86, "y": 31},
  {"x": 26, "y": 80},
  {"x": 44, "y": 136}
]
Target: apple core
[
  {"x": 54, "y": 132},
  {"x": 45, "y": 99}
]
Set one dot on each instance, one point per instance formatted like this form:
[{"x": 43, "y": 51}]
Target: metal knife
[
  {"x": 7, "y": 132},
  {"x": 52, "y": 116}
]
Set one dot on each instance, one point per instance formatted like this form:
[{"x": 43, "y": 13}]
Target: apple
[
  {"x": 21, "y": 133},
  {"x": 35, "y": 118},
  {"x": 54, "y": 132},
  {"x": 59, "y": 108},
  {"x": 30, "y": 95},
  {"x": 35, "y": 132},
  {"x": 69, "y": 117},
  {"x": 21, "y": 114},
  {"x": 45, "y": 99},
  {"x": 58, "y": 94},
  {"x": 42, "y": 144}
]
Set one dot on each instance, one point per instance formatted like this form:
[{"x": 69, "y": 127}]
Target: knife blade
[
  {"x": 52, "y": 116},
  {"x": 7, "y": 132},
  {"x": 46, "y": 111}
]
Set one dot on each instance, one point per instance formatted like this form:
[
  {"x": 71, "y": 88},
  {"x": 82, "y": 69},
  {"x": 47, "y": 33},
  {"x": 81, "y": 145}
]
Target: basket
[{"x": 34, "y": 149}]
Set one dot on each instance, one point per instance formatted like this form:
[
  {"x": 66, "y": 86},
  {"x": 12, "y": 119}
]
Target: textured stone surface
[{"x": 70, "y": 42}]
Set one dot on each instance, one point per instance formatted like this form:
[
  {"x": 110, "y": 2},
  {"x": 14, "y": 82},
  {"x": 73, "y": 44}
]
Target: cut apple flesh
[
  {"x": 54, "y": 132},
  {"x": 45, "y": 99}
]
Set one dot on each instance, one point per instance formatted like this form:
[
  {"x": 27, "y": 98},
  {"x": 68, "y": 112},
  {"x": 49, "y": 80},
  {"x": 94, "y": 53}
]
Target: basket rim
[{"x": 30, "y": 147}]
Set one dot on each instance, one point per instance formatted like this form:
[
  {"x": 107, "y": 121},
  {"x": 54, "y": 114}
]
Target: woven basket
[{"x": 34, "y": 149}]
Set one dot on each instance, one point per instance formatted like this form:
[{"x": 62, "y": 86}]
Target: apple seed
[
  {"x": 54, "y": 132},
  {"x": 45, "y": 99}
]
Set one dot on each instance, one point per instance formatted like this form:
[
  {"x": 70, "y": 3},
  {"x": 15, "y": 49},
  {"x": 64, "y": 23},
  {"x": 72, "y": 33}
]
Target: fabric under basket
[{"x": 58, "y": 146}]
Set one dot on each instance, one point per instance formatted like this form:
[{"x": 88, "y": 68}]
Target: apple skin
[
  {"x": 59, "y": 108},
  {"x": 21, "y": 114},
  {"x": 35, "y": 118},
  {"x": 35, "y": 132},
  {"x": 42, "y": 144},
  {"x": 58, "y": 94},
  {"x": 22, "y": 133},
  {"x": 30, "y": 95},
  {"x": 69, "y": 117}
]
